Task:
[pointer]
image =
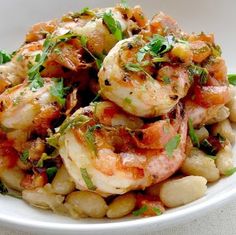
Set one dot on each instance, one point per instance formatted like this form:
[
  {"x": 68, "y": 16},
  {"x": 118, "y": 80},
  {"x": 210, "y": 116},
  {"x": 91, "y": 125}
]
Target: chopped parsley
[
  {"x": 113, "y": 25},
  {"x": 232, "y": 79},
  {"x": 192, "y": 133},
  {"x": 230, "y": 171},
  {"x": 172, "y": 144},
  {"x": 24, "y": 156},
  {"x": 4, "y": 57},
  {"x": 53, "y": 140},
  {"x": 137, "y": 68},
  {"x": 98, "y": 60},
  {"x": 157, "y": 211},
  {"x": 45, "y": 157},
  {"x": 128, "y": 100},
  {"x": 87, "y": 179},
  {"x": 51, "y": 172},
  {"x": 73, "y": 122},
  {"x": 202, "y": 73},
  {"x": 157, "y": 46},
  {"x": 58, "y": 91},
  {"x": 140, "y": 211},
  {"x": 166, "y": 80},
  {"x": 89, "y": 136}
]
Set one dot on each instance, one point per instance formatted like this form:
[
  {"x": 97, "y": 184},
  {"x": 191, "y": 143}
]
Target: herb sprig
[
  {"x": 4, "y": 57},
  {"x": 232, "y": 79},
  {"x": 172, "y": 144}
]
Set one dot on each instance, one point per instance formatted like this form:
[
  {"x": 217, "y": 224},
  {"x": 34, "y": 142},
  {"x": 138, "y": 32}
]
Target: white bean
[
  {"x": 202, "y": 133},
  {"x": 232, "y": 107},
  {"x": 121, "y": 206},
  {"x": 44, "y": 199},
  {"x": 12, "y": 178},
  {"x": 197, "y": 163},
  {"x": 179, "y": 192},
  {"x": 222, "y": 114},
  {"x": 224, "y": 128},
  {"x": 62, "y": 182},
  {"x": 224, "y": 160},
  {"x": 86, "y": 204}
]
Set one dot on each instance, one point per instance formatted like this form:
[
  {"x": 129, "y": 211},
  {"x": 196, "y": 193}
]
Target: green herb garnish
[
  {"x": 230, "y": 171},
  {"x": 113, "y": 25},
  {"x": 137, "y": 68},
  {"x": 53, "y": 140},
  {"x": 157, "y": 46},
  {"x": 128, "y": 100},
  {"x": 51, "y": 172},
  {"x": 87, "y": 179},
  {"x": 172, "y": 144},
  {"x": 232, "y": 79},
  {"x": 140, "y": 211},
  {"x": 24, "y": 156},
  {"x": 58, "y": 91},
  {"x": 202, "y": 73},
  {"x": 4, "y": 57},
  {"x": 192, "y": 133},
  {"x": 89, "y": 136},
  {"x": 45, "y": 157},
  {"x": 157, "y": 211}
]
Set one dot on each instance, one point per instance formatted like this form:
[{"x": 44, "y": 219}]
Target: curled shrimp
[
  {"x": 112, "y": 152},
  {"x": 133, "y": 88},
  {"x": 24, "y": 112}
]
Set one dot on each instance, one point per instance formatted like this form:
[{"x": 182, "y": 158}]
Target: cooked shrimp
[
  {"x": 23, "y": 111},
  {"x": 134, "y": 89},
  {"x": 107, "y": 150}
]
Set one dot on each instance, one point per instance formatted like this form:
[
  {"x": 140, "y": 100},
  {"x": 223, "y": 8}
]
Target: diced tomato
[
  {"x": 152, "y": 203},
  {"x": 155, "y": 135},
  {"x": 211, "y": 95},
  {"x": 34, "y": 181}
]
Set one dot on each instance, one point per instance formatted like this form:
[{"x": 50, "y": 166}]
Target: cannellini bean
[
  {"x": 12, "y": 178},
  {"x": 44, "y": 199},
  {"x": 222, "y": 114},
  {"x": 197, "y": 163},
  {"x": 121, "y": 206},
  {"x": 202, "y": 133},
  {"x": 86, "y": 204},
  {"x": 224, "y": 128},
  {"x": 232, "y": 107},
  {"x": 62, "y": 182},
  {"x": 179, "y": 192},
  {"x": 224, "y": 160}
]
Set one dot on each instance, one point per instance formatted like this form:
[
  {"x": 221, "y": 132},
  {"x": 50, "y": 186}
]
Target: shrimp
[
  {"x": 132, "y": 87},
  {"x": 24, "y": 112},
  {"x": 109, "y": 151}
]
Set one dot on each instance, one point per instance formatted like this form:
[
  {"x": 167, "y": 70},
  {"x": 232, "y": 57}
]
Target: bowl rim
[{"x": 178, "y": 216}]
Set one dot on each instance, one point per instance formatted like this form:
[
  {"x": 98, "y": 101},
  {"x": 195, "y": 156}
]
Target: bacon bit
[
  {"x": 8, "y": 155},
  {"x": 44, "y": 120},
  {"x": 34, "y": 181},
  {"x": 40, "y": 30},
  {"x": 153, "y": 204}
]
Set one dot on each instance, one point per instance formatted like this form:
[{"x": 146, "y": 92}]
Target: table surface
[{"x": 221, "y": 221}]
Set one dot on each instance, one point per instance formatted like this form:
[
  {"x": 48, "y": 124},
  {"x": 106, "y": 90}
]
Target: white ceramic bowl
[{"x": 217, "y": 16}]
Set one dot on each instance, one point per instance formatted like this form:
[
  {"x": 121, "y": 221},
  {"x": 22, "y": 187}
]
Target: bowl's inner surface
[{"x": 194, "y": 16}]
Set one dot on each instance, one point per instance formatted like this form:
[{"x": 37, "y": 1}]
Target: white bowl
[{"x": 194, "y": 16}]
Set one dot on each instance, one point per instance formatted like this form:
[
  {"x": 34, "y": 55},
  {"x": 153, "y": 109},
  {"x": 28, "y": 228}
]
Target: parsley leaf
[
  {"x": 232, "y": 79},
  {"x": 4, "y": 57},
  {"x": 53, "y": 140},
  {"x": 89, "y": 136},
  {"x": 195, "y": 70},
  {"x": 157, "y": 211},
  {"x": 51, "y": 172},
  {"x": 172, "y": 144},
  {"x": 24, "y": 156},
  {"x": 140, "y": 211},
  {"x": 87, "y": 179},
  {"x": 45, "y": 157},
  {"x": 36, "y": 82},
  {"x": 58, "y": 91},
  {"x": 230, "y": 171},
  {"x": 192, "y": 133},
  {"x": 158, "y": 45},
  {"x": 113, "y": 25},
  {"x": 137, "y": 68}
]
